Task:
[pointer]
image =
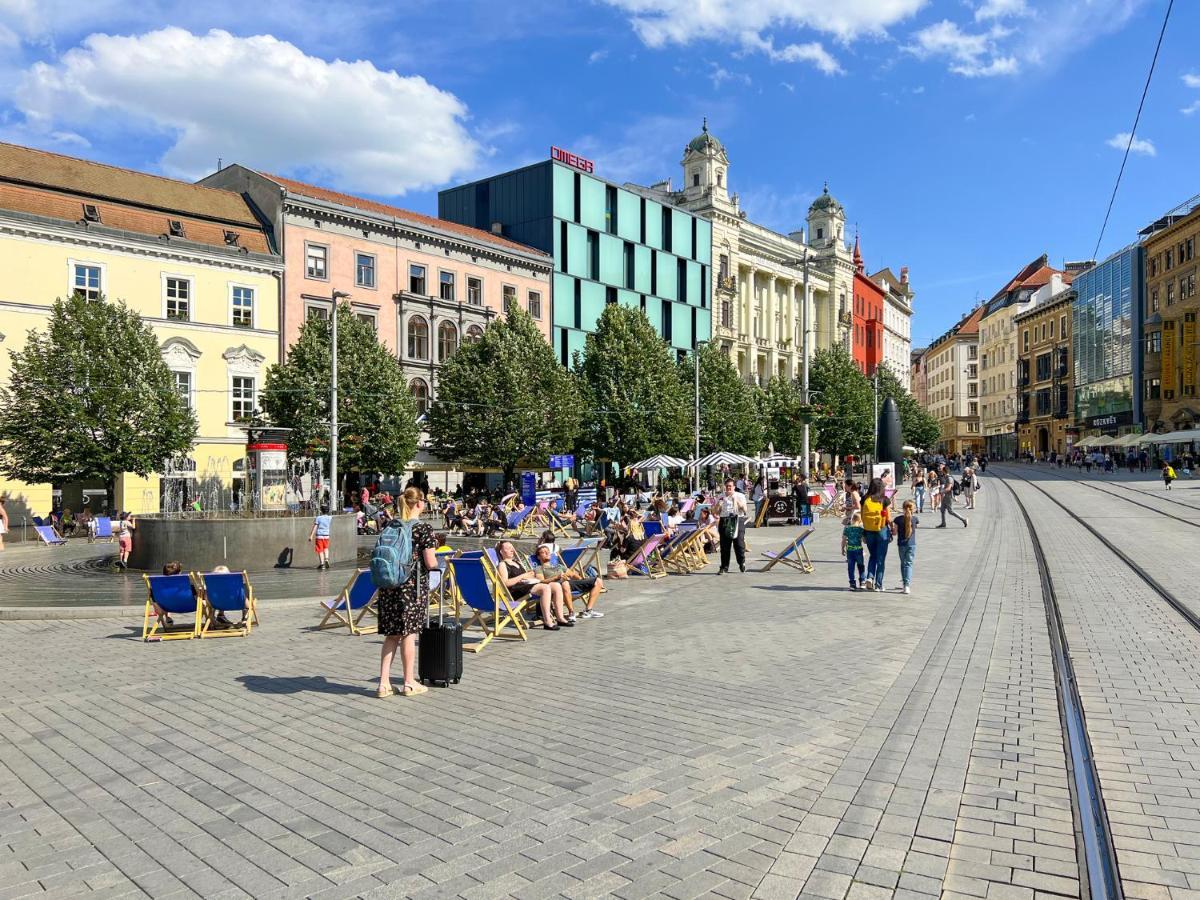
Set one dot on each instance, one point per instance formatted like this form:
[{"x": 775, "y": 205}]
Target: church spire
[{"x": 858, "y": 260}]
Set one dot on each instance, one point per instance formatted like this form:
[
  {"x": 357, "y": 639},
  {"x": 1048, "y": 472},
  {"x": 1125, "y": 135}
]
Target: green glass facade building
[{"x": 610, "y": 245}]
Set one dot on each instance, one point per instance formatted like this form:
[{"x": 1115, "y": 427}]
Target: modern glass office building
[
  {"x": 610, "y": 245},
  {"x": 1106, "y": 342}
]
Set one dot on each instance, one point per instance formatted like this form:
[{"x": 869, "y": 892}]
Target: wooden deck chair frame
[
  {"x": 344, "y": 615},
  {"x": 647, "y": 560},
  {"x": 443, "y": 596},
  {"x": 470, "y": 575},
  {"x": 200, "y": 583},
  {"x": 589, "y": 558},
  {"x": 794, "y": 555},
  {"x": 159, "y": 632},
  {"x": 676, "y": 555}
]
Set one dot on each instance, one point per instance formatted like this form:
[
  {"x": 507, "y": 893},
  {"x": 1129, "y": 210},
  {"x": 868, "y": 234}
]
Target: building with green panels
[{"x": 610, "y": 245}]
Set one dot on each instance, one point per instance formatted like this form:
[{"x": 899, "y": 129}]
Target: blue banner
[
  {"x": 528, "y": 488},
  {"x": 566, "y": 461}
]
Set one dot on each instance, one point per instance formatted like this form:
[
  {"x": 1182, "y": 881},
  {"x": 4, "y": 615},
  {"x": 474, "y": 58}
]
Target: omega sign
[{"x": 577, "y": 162}]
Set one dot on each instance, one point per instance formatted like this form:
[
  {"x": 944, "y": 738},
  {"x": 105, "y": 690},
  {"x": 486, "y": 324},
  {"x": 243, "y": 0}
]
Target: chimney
[
  {"x": 904, "y": 274},
  {"x": 498, "y": 228}
]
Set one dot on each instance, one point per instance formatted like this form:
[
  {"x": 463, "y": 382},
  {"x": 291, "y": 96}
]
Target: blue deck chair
[
  {"x": 104, "y": 530},
  {"x": 793, "y": 556},
  {"x": 517, "y": 519},
  {"x": 677, "y": 553},
  {"x": 492, "y": 607},
  {"x": 651, "y": 527},
  {"x": 226, "y": 592},
  {"x": 355, "y": 602},
  {"x": 49, "y": 536},
  {"x": 175, "y": 595}
]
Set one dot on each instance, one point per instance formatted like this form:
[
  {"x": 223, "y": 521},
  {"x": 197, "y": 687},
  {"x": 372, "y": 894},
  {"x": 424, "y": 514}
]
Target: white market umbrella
[
  {"x": 661, "y": 461},
  {"x": 781, "y": 461},
  {"x": 723, "y": 458}
]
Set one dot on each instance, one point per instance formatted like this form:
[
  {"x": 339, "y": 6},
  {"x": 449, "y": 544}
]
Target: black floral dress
[{"x": 404, "y": 610}]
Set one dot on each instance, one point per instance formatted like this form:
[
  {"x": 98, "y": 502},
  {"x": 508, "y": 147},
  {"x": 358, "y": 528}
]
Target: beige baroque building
[
  {"x": 998, "y": 351},
  {"x": 952, "y": 385},
  {"x": 759, "y": 274}
]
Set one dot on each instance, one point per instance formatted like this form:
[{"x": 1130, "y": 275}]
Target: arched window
[
  {"x": 447, "y": 341},
  {"x": 720, "y": 177},
  {"x": 420, "y": 394},
  {"x": 418, "y": 338},
  {"x": 474, "y": 334}
]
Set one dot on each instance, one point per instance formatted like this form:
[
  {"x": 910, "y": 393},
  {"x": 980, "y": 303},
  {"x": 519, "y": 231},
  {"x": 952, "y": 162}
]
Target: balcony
[
  {"x": 727, "y": 283},
  {"x": 1023, "y": 417},
  {"x": 845, "y": 318},
  {"x": 1062, "y": 413}
]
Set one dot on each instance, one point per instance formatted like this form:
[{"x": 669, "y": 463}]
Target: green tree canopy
[
  {"x": 375, "y": 409},
  {"x": 505, "y": 399},
  {"x": 784, "y": 414},
  {"x": 844, "y": 394},
  {"x": 639, "y": 406},
  {"x": 91, "y": 398},
  {"x": 729, "y": 415}
]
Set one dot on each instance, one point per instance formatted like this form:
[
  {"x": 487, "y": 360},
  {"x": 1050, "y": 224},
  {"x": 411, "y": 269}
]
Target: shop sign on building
[{"x": 577, "y": 162}]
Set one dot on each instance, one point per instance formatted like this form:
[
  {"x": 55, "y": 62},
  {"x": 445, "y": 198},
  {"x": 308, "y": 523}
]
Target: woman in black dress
[{"x": 403, "y": 610}]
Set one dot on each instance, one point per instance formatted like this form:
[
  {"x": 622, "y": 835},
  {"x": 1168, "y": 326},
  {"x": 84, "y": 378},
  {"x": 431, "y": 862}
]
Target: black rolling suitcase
[{"x": 439, "y": 657}]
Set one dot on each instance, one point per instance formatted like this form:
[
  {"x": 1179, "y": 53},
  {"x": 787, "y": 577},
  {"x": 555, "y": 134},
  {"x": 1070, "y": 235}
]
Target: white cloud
[
  {"x": 746, "y": 23},
  {"x": 973, "y": 55},
  {"x": 260, "y": 101},
  {"x": 596, "y": 55},
  {"x": 1143, "y": 146},
  {"x": 1191, "y": 108},
  {"x": 641, "y": 151},
  {"x": 719, "y": 75},
  {"x": 999, "y": 9},
  {"x": 661, "y": 22},
  {"x": 812, "y": 52},
  {"x": 788, "y": 86},
  {"x": 1191, "y": 80}
]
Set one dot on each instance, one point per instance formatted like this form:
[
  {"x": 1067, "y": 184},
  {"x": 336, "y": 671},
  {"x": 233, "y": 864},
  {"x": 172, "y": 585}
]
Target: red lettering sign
[{"x": 570, "y": 159}]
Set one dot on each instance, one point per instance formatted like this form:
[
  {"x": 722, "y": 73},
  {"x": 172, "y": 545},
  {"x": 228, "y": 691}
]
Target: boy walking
[
  {"x": 852, "y": 549},
  {"x": 320, "y": 537}
]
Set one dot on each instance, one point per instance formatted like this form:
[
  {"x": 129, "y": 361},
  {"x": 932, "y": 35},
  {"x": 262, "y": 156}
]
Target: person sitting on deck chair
[{"x": 572, "y": 582}]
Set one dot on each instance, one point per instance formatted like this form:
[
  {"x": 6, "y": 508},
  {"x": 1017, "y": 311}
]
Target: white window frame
[
  {"x": 366, "y": 312},
  {"x": 428, "y": 393},
  {"x": 429, "y": 338},
  {"x": 409, "y": 278},
  {"x": 374, "y": 286},
  {"x": 457, "y": 339},
  {"x": 253, "y": 396},
  {"x": 478, "y": 279},
  {"x": 466, "y": 335},
  {"x": 529, "y": 295},
  {"x": 191, "y": 294},
  {"x": 103, "y": 267},
  {"x": 453, "y": 285},
  {"x": 516, "y": 296},
  {"x": 324, "y": 247},
  {"x": 191, "y": 394},
  {"x": 324, "y": 308},
  {"x": 232, "y": 285}
]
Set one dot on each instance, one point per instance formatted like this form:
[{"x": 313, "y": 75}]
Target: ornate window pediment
[
  {"x": 243, "y": 360},
  {"x": 180, "y": 353}
]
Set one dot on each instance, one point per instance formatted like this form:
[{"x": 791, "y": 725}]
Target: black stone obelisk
[{"x": 887, "y": 443}]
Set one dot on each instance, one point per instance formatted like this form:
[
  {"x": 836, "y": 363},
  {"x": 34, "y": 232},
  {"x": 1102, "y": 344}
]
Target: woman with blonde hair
[
  {"x": 905, "y": 526},
  {"x": 403, "y": 610}
]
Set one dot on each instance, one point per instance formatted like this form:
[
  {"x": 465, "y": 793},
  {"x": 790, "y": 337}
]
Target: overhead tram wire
[{"x": 1133, "y": 131}]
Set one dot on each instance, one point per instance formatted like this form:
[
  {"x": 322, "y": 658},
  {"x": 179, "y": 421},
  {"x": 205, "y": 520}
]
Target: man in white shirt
[{"x": 731, "y": 511}]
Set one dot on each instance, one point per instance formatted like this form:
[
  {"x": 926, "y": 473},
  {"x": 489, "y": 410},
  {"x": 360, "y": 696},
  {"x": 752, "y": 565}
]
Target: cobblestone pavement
[
  {"x": 1136, "y": 665},
  {"x": 762, "y": 735}
]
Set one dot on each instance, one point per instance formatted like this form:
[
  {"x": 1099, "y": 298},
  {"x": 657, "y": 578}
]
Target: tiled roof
[
  {"x": 152, "y": 223},
  {"x": 96, "y": 180},
  {"x": 404, "y": 215},
  {"x": 970, "y": 325}
]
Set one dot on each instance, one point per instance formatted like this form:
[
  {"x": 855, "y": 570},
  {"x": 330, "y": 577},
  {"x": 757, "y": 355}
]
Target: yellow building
[
  {"x": 194, "y": 262},
  {"x": 1044, "y": 381}
]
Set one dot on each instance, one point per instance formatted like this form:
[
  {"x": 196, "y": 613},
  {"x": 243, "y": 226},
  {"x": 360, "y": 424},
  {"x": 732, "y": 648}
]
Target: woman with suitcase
[{"x": 403, "y": 609}]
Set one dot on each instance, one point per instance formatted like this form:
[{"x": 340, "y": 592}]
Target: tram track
[
  {"x": 1194, "y": 521},
  {"x": 1097, "y": 853}
]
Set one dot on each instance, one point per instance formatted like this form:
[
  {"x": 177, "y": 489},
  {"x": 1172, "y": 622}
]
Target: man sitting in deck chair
[
  {"x": 171, "y": 592},
  {"x": 794, "y": 555},
  {"x": 576, "y": 583}
]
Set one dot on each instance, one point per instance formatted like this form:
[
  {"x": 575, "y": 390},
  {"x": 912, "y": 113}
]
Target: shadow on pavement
[{"x": 296, "y": 684}]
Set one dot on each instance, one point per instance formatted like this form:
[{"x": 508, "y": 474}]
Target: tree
[
  {"x": 91, "y": 398},
  {"x": 918, "y": 428},
  {"x": 505, "y": 399},
  {"x": 729, "y": 412},
  {"x": 639, "y": 404},
  {"x": 375, "y": 409},
  {"x": 784, "y": 414},
  {"x": 846, "y": 424}
]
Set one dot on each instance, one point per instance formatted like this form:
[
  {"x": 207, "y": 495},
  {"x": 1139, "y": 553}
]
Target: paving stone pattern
[
  {"x": 732, "y": 736},
  {"x": 1138, "y": 668}
]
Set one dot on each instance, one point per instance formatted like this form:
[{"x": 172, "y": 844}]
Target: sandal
[
  {"x": 412, "y": 690},
  {"x": 385, "y": 692}
]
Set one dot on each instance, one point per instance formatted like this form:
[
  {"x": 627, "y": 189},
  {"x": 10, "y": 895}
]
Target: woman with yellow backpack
[{"x": 876, "y": 532}]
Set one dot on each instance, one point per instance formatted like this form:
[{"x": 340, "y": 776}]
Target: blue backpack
[{"x": 392, "y": 559}]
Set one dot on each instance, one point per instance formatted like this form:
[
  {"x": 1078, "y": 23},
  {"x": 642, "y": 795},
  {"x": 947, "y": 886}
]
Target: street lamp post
[
  {"x": 804, "y": 396},
  {"x": 333, "y": 404},
  {"x": 696, "y": 433}
]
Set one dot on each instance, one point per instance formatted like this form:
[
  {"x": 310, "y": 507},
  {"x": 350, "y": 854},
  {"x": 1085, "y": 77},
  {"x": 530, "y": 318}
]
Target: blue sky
[{"x": 964, "y": 137}]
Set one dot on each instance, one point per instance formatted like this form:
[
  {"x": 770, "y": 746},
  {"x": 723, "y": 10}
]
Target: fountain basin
[{"x": 253, "y": 542}]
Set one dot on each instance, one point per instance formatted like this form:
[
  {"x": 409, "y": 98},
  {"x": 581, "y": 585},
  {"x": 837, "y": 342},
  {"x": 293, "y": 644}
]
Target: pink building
[{"x": 424, "y": 283}]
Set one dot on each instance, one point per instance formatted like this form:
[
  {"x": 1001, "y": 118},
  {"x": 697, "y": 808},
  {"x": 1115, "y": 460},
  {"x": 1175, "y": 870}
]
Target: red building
[{"x": 867, "y": 340}]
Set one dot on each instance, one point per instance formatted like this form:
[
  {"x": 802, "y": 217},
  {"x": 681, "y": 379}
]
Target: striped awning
[
  {"x": 661, "y": 461},
  {"x": 722, "y": 458}
]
